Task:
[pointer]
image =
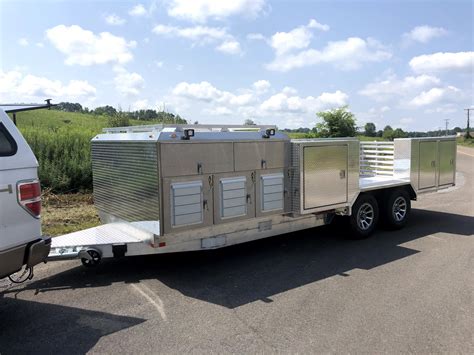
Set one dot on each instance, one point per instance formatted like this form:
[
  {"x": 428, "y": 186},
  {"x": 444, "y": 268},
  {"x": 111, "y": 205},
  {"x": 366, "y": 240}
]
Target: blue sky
[{"x": 404, "y": 63}]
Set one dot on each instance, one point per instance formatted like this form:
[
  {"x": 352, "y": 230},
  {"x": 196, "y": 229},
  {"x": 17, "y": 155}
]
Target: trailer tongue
[{"x": 162, "y": 189}]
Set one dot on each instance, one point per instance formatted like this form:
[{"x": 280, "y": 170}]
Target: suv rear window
[{"x": 8, "y": 145}]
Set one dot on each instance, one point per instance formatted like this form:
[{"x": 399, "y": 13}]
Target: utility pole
[
  {"x": 468, "y": 133},
  {"x": 446, "y": 120}
]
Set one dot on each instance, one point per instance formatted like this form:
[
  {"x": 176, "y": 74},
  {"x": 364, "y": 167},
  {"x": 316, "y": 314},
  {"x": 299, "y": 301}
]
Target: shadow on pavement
[
  {"x": 64, "y": 330},
  {"x": 238, "y": 275}
]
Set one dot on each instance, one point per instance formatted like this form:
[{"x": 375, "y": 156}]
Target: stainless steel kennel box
[{"x": 214, "y": 177}]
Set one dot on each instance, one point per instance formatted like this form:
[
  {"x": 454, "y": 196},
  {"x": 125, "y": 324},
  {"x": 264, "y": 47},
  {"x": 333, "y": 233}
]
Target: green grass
[
  {"x": 465, "y": 142},
  {"x": 61, "y": 143}
]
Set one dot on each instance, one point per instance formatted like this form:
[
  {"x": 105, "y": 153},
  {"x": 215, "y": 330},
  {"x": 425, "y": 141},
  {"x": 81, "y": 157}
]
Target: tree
[
  {"x": 339, "y": 122},
  {"x": 370, "y": 130},
  {"x": 379, "y": 133},
  {"x": 105, "y": 110},
  {"x": 249, "y": 122},
  {"x": 387, "y": 132}
]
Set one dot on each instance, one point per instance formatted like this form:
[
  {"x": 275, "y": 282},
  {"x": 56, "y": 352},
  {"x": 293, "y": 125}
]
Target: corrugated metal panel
[
  {"x": 126, "y": 183},
  {"x": 233, "y": 197}
]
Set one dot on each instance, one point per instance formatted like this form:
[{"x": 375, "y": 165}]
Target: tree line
[
  {"x": 119, "y": 117},
  {"x": 340, "y": 122}
]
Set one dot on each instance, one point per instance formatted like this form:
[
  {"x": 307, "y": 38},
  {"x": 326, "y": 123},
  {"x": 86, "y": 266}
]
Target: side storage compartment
[
  {"x": 324, "y": 174},
  {"x": 433, "y": 163},
  {"x": 184, "y": 159},
  {"x": 260, "y": 155},
  {"x": 234, "y": 196},
  {"x": 187, "y": 202}
]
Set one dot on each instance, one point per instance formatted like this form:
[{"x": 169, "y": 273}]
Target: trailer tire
[
  {"x": 364, "y": 217},
  {"x": 396, "y": 209}
]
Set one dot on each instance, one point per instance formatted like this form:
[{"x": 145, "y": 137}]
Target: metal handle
[
  {"x": 264, "y": 164},
  {"x": 249, "y": 198},
  {"x": 211, "y": 181},
  {"x": 342, "y": 174},
  {"x": 205, "y": 205},
  {"x": 433, "y": 163},
  {"x": 8, "y": 189},
  {"x": 199, "y": 168}
]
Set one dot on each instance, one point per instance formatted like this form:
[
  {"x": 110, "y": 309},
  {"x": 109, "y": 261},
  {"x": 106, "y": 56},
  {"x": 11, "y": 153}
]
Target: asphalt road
[{"x": 312, "y": 291}]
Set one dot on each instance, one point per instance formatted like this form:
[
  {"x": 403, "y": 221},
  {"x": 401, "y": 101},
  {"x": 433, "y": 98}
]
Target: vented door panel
[
  {"x": 187, "y": 202},
  {"x": 427, "y": 171},
  {"x": 272, "y": 192},
  {"x": 325, "y": 175},
  {"x": 447, "y": 159},
  {"x": 233, "y": 197}
]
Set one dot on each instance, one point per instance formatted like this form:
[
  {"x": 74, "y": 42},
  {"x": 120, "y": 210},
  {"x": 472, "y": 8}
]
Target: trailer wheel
[
  {"x": 94, "y": 259},
  {"x": 364, "y": 217},
  {"x": 397, "y": 209}
]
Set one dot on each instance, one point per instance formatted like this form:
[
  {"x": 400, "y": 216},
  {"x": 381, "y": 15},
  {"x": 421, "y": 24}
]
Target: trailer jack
[{"x": 90, "y": 257}]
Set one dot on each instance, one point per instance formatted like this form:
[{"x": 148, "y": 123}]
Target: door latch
[
  {"x": 8, "y": 189},
  {"x": 342, "y": 174},
  {"x": 199, "y": 168}
]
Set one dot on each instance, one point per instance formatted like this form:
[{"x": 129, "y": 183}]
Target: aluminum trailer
[{"x": 174, "y": 188}]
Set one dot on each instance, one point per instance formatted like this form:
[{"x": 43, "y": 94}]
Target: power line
[
  {"x": 468, "y": 133},
  {"x": 446, "y": 120}
]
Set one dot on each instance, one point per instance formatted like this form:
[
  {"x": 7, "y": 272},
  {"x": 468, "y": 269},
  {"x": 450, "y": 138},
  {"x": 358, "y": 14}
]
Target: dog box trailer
[{"x": 173, "y": 188}]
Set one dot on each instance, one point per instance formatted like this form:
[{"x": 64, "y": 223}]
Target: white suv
[{"x": 21, "y": 242}]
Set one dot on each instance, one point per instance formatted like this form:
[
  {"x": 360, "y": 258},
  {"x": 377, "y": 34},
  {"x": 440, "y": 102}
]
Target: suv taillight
[{"x": 29, "y": 197}]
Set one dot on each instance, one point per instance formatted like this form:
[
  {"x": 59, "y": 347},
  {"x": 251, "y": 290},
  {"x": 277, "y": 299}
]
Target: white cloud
[
  {"x": 205, "y": 91},
  {"x": 138, "y": 10},
  {"x": 229, "y": 47},
  {"x": 285, "y": 108},
  {"x": 126, "y": 83},
  {"x": 285, "y": 102},
  {"x": 114, "y": 20},
  {"x": 140, "y": 105},
  {"x": 315, "y": 24},
  {"x": 424, "y": 34},
  {"x": 348, "y": 54},
  {"x": 83, "y": 47},
  {"x": 159, "y": 63},
  {"x": 202, "y": 10},
  {"x": 256, "y": 37},
  {"x": 202, "y": 35},
  {"x": 435, "y": 95},
  {"x": 18, "y": 87},
  {"x": 261, "y": 86},
  {"x": 23, "y": 42},
  {"x": 298, "y": 38},
  {"x": 443, "y": 61},
  {"x": 40, "y": 44},
  {"x": 393, "y": 87},
  {"x": 196, "y": 33}
]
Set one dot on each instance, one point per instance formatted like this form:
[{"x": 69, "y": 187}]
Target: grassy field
[
  {"x": 66, "y": 213},
  {"x": 466, "y": 142},
  {"x": 61, "y": 142}
]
